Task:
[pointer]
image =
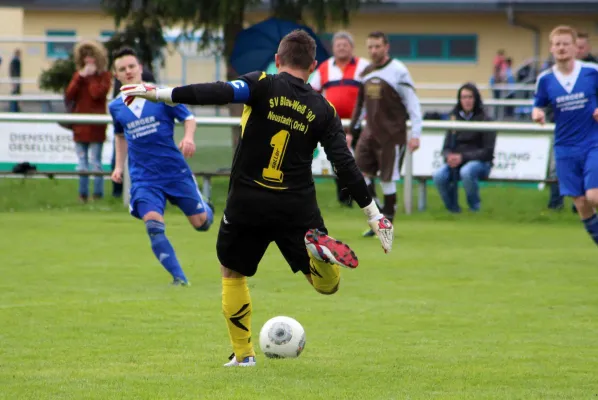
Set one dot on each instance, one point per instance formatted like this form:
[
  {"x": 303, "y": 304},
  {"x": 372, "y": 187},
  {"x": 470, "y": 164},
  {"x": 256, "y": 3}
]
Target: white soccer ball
[{"x": 282, "y": 337}]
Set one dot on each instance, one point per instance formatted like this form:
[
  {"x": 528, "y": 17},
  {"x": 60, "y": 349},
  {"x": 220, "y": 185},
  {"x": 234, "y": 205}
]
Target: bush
[{"x": 57, "y": 77}]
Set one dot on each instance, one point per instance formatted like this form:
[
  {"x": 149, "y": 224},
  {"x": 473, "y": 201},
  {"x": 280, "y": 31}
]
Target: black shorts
[{"x": 240, "y": 247}]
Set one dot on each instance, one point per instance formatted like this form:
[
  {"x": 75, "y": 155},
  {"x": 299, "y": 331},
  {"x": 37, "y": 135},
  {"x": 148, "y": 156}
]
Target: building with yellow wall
[
  {"x": 36, "y": 23},
  {"x": 455, "y": 42},
  {"x": 447, "y": 42}
]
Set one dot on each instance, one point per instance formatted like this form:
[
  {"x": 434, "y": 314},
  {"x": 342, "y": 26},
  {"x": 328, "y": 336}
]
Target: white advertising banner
[
  {"x": 515, "y": 157},
  {"x": 320, "y": 164},
  {"x": 49, "y": 146}
]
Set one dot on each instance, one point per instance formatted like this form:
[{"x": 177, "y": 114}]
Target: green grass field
[
  {"x": 496, "y": 305},
  {"x": 214, "y": 148}
]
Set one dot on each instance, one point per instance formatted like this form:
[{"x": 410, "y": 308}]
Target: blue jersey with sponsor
[
  {"x": 573, "y": 98},
  {"x": 149, "y": 130}
]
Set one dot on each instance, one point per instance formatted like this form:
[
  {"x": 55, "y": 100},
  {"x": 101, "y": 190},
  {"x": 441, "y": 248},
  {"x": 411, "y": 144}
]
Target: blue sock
[
  {"x": 591, "y": 225},
  {"x": 209, "y": 219},
  {"x": 163, "y": 249}
]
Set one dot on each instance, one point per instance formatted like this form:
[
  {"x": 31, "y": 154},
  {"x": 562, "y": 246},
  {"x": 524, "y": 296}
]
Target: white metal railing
[
  {"x": 518, "y": 127},
  {"x": 31, "y": 97},
  {"x": 49, "y": 39},
  {"x": 521, "y": 127},
  {"x": 449, "y": 101},
  {"x": 231, "y": 121},
  {"x": 489, "y": 102},
  {"x": 41, "y": 39},
  {"x": 514, "y": 87},
  {"x": 455, "y": 86},
  {"x": 22, "y": 81}
]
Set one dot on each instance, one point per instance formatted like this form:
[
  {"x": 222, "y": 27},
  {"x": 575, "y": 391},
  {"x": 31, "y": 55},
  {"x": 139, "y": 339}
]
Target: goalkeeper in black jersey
[{"x": 272, "y": 196}]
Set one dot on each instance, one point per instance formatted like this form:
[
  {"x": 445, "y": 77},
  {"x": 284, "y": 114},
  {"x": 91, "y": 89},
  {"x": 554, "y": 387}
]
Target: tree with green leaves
[
  {"x": 228, "y": 15},
  {"x": 57, "y": 77},
  {"x": 140, "y": 25},
  {"x": 320, "y": 12},
  {"x": 141, "y": 31}
]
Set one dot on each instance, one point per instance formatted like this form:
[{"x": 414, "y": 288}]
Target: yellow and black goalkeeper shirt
[{"x": 282, "y": 122}]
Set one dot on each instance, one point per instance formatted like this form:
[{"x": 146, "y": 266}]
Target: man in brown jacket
[{"x": 88, "y": 90}]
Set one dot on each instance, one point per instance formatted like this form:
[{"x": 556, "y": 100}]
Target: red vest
[{"x": 342, "y": 93}]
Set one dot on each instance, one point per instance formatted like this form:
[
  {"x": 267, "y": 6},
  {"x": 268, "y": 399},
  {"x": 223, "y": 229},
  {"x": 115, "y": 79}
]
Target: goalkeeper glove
[
  {"x": 381, "y": 226},
  {"x": 146, "y": 91}
]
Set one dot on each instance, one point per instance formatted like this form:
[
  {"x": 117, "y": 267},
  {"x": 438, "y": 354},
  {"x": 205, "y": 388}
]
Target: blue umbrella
[{"x": 255, "y": 46}]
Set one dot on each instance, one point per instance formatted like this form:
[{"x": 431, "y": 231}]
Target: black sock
[
  {"x": 372, "y": 192},
  {"x": 390, "y": 203}
]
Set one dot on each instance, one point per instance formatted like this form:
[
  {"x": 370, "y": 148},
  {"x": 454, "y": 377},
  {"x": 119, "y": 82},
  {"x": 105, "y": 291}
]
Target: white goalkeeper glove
[
  {"x": 146, "y": 91},
  {"x": 381, "y": 226}
]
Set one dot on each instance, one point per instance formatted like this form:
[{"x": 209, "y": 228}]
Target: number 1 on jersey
[{"x": 279, "y": 143}]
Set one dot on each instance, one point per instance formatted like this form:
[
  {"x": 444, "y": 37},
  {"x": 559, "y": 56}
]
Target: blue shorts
[
  {"x": 152, "y": 196},
  {"x": 577, "y": 173}
]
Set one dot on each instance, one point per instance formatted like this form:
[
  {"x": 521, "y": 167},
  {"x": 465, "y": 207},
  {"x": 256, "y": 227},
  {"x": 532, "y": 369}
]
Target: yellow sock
[
  {"x": 236, "y": 305},
  {"x": 325, "y": 277}
]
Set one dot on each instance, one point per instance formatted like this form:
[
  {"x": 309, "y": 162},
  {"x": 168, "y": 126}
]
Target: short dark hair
[
  {"x": 122, "y": 52},
  {"x": 297, "y": 49},
  {"x": 583, "y": 35},
  {"x": 378, "y": 35}
]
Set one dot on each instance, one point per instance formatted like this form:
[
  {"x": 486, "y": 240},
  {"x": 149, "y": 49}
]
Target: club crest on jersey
[{"x": 373, "y": 88}]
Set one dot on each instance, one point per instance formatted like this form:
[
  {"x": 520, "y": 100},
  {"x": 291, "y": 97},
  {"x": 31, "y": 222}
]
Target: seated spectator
[{"x": 468, "y": 155}]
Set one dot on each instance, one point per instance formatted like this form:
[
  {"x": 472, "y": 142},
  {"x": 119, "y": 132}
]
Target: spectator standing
[
  {"x": 498, "y": 67},
  {"x": 338, "y": 79},
  {"x": 88, "y": 90},
  {"x": 509, "y": 78},
  {"x": 468, "y": 155},
  {"x": 584, "y": 48},
  {"x": 15, "y": 73}
]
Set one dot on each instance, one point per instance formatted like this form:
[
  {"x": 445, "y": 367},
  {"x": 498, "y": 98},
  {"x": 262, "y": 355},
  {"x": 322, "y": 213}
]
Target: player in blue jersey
[
  {"x": 571, "y": 87},
  {"x": 157, "y": 166}
]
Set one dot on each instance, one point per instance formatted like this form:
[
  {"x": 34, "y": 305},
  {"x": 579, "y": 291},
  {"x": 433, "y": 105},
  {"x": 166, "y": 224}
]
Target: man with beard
[
  {"x": 571, "y": 87},
  {"x": 388, "y": 96}
]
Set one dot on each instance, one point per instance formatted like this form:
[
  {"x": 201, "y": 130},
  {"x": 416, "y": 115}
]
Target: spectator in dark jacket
[
  {"x": 584, "y": 49},
  {"x": 468, "y": 155},
  {"x": 14, "y": 70}
]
